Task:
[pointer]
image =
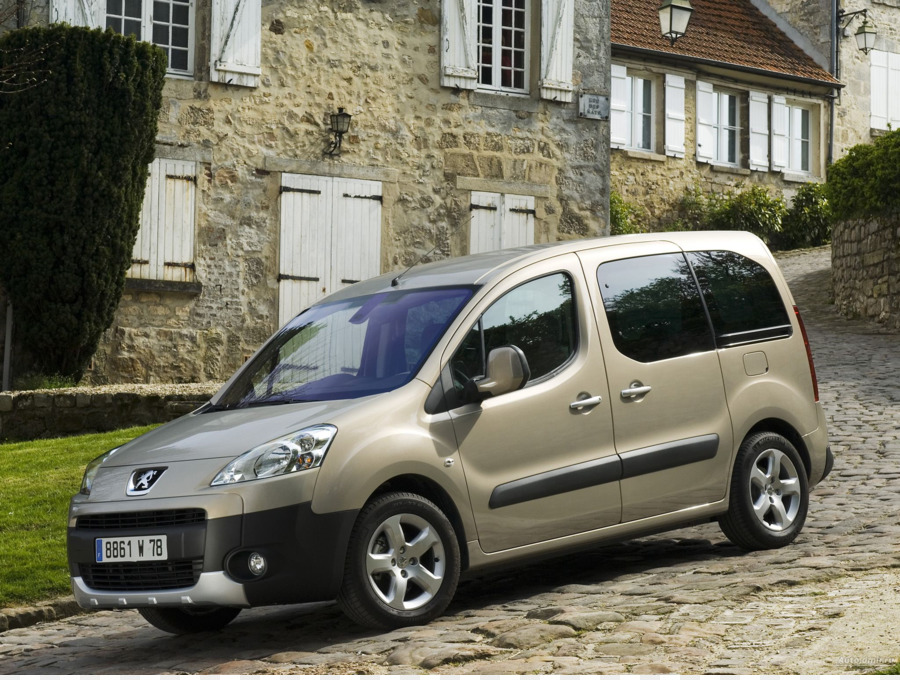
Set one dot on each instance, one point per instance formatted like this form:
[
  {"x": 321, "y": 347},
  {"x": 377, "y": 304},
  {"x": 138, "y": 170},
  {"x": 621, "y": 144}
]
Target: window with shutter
[
  {"x": 632, "y": 110},
  {"x": 235, "y": 42},
  {"x": 674, "y": 116},
  {"x": 885, "y": 89},
  {"x": 780, "y": 127},
  {"x": 164, "y": 249},
  {"x": 557, "y": 49},
  {"x": 166, "y": 23},
  {"x": 718, "y": 125},
  {"x": 502, "y": 39},
  {"x": 759, "y": 131},
  {"x": 500, "y": 221}
]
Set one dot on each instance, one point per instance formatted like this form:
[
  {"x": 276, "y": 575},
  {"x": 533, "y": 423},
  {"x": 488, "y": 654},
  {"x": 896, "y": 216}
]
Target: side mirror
[{"x": 507, "y": 371}]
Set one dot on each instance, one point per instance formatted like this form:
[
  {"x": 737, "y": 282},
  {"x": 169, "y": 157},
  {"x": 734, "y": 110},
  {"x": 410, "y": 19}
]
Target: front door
[
  {"x": 539, "y": 462},
  {"x": 671, "y": 420}
]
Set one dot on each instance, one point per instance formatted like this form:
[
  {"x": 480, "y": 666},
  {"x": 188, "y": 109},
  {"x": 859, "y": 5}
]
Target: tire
[
  {"x": 769, "y": 494},
  {"x": 186, "y": 620},
  {"x": 402, "y": 563}
]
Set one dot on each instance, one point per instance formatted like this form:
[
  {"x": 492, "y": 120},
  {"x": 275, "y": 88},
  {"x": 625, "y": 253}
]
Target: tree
[{"x": 75, "y": 150}]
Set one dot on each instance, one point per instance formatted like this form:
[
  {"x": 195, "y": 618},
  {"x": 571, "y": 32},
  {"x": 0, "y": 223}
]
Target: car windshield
[{"x": 347, "y": 349}]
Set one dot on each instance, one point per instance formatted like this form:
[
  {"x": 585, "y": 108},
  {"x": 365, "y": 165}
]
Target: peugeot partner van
[{"x": 485, "y": 409}]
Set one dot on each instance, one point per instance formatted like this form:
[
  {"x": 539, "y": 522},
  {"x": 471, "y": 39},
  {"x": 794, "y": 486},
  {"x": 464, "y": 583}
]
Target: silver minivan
[{"x": 418, "y": 426}]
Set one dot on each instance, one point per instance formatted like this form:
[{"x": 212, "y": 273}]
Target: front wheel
[
  {"x": 402, "y": 563},
  {"x": 769, "y": 494},
  {"x": 185, "y": 620}
]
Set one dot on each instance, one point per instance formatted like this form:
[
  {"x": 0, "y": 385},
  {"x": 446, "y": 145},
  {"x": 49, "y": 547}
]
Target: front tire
[
  {"x": 187, "y": 620},
  {"x": 402, "y": 563},
  {"x": 769, "y": 494}
]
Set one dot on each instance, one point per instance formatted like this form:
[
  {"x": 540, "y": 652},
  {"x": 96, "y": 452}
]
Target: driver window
[{"x": 537, "y": 317}]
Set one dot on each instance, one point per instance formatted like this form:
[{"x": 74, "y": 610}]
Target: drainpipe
[{"x": 835, "y": 71}]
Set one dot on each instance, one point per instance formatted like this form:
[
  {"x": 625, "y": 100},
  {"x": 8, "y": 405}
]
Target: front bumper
[{"x": 206, "y": 564}]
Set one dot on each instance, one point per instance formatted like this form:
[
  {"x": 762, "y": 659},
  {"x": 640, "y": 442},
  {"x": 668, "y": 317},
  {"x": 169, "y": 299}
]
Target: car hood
[{"x": 226, "y": 434}]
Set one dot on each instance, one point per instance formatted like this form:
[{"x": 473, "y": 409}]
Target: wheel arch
[
  {"x": 787, "y": 431},
  {"x": 434, "y": 492}
]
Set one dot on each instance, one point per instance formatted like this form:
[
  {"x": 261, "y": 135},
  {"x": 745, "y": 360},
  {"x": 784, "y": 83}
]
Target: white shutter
[
  {"x": 893, "y": 90},
  {"x": 759, "y": 131},
  {"x": 88, "y": 13},
  {"x": 619, "y": 99},
  {"x": 304, "y": 267},
  {"x": 516, "y": 221},
  {"x": 879, "y": 89},
  {"x": 235, "y": 42},
  {"x": 458, "y": 66},
  {"x": 780, "y": 129},
  {"x": 557, "y": 49},
  {"x": 674, "y": 116},
  {"x": 706, "y": 120},
  {"x": 164, "y": 249},
  {"x": 484, "y": 226},
  {"x": 356, "y": 232}
]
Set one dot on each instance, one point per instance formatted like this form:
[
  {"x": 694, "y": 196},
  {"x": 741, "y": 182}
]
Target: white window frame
[
  {"x": 489, "y": 37},
  {"x": 164, "y": 248},
  {"x": 884, "y": 103},
  {"x": 148, "y": 25},
  {"x": 630, "y": 110},
  {"x": 712, "y": 117},
  {"x": 796, "y": 155}
]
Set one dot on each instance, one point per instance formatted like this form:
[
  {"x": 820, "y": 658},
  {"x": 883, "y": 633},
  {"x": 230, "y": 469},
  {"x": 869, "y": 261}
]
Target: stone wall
[
  {"x": 81, "y": 410},
  {"x": 429, "y": 145},
  {"x": 866, "y": 269}
]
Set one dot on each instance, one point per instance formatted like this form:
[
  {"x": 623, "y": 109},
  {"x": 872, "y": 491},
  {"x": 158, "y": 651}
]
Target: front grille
[
  {"x": 142, "y": 520},
  {"x": 132, "y": 576}
]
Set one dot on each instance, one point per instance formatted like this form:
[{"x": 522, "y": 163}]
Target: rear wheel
[
  {"x": 402, "y": 563},
  {"x": 769, "y": 494},
  {"x": 184, "y": 620}
]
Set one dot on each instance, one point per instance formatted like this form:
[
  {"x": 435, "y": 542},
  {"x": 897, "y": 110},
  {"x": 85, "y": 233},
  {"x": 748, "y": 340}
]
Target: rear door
[{"x": 671, "y": 421}]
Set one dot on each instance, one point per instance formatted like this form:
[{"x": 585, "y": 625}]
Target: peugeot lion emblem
[{"x": 142, "y": 480}]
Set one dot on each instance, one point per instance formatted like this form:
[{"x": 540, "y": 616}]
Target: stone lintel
[
  {"x": 728, "y": 169},
  {"x": 645, "y": 155},
  {"x": 501, "y": 187},
  {"x": 800, "y": 178},
  {"x": 157, "y": 286},
  {"x": 178, "y": 152},
  {"x": 329, "y": 169}
]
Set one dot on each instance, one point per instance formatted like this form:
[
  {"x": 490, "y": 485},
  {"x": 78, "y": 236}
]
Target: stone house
[
  {"x": 465, "y": 136},
  {"x": 738, "y": 99}
]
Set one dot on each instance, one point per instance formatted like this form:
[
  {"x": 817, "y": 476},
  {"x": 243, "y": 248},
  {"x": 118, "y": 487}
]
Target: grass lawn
[{"x": 37, "y": 479}]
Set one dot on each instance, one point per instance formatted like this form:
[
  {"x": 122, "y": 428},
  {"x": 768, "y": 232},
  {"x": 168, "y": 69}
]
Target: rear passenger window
[
  {"x": 653, "y": 307},
  {"x": 743, "y": 301}
]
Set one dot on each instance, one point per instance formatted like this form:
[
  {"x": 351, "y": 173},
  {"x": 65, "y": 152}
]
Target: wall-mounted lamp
[
  {"x": 865, "y": 34},
  {"x": 674, "y": 16},
  {"x": 340, "y": 124}
]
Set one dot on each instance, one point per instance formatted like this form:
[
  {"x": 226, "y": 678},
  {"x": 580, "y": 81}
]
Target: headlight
[
  {"x": 297, "y": 451},
  {"x": 91, "y": 471}
]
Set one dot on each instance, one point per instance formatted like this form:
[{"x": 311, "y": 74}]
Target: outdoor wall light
[
  {"x": 674, "y": 16},
  {"x": 340, "y": 124},
  {"x": 865, "y": 34}
]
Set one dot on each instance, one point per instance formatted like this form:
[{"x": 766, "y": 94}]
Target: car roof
[{"x": 482, "y": 268}]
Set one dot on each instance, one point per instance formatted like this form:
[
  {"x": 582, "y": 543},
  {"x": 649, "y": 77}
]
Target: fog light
[{"x": 257, "y": 564}]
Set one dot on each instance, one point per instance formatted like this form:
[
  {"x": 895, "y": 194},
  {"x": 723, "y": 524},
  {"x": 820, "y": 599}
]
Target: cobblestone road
[{"x": 685, "y": 602}]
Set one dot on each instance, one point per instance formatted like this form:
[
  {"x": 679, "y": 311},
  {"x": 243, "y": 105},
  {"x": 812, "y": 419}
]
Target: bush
[
  {"x": 807, "y": 222},
  {"x": 866, "y": 182},
  {"x": 75, "y": 146},
  {"x": 753, "y": 209},
  {"x": 625, "y": 217}
]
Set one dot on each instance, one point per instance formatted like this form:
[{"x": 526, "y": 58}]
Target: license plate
[{"x": 131, "y": 549}]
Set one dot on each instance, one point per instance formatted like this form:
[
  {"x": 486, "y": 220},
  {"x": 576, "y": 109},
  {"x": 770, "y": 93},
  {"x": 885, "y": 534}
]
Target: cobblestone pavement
[{"x": 685, "y": 602}]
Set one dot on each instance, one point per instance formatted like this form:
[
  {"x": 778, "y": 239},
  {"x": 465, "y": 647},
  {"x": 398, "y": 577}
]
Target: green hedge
[
  {"x": 75, "y": 147},
  {"x": 866, "y": 182}
]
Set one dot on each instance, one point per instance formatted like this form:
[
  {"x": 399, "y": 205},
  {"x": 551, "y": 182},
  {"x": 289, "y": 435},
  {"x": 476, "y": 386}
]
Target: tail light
[{"x": 812, "y": 367}]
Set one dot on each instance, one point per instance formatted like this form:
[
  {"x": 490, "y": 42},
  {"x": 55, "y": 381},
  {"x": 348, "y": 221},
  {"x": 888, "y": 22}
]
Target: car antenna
[{"x": 396, "y": 280}]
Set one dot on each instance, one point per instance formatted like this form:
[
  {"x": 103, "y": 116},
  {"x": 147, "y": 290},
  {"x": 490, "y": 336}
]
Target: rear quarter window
[{"x": 743, "y": 301}]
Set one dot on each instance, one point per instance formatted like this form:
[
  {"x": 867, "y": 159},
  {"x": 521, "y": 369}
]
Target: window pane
[
  {"x": 180, "y": 14},
  {"x": 161, "y": 34},
  {"x": 114, "y": 23},
  {"x": 732, "y": 146},
  {"x": 179, "y": 37},
  {"x": 653, "y": 307},
  {"x": 502, "y": 43},
  {"x": 743, "y": 301},
  {"x": 161, "y": 11},
  {"x": 537, "y": 317},
  {"x": 179, "y": 60},
  {"x": 133, "y": 8},
  {"x": 114, "y": 7},
  {"x": 132, "y": 27}
]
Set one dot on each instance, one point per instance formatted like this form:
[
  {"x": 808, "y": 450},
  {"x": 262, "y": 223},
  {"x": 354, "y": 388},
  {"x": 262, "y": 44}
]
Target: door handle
[
  {"x": 635, "y": 390},
  {"x": 585, "y": 401}
]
